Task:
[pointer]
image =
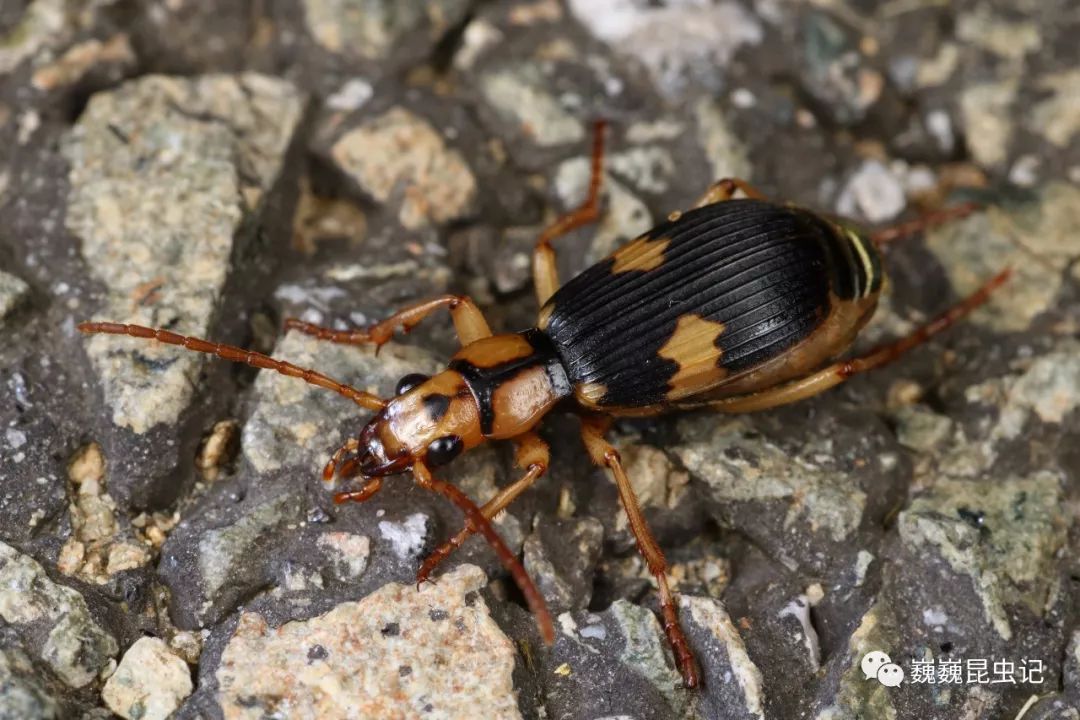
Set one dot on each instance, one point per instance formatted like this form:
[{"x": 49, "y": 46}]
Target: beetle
[{"x": 736, "y": 305}]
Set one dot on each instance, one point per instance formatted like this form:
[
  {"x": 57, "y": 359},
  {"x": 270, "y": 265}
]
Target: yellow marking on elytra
[
  {"x": 674, "y": 215},
  {"x": 864, "y": 258},
  {"x": 693, "y": 347},
  {"x": 644, "y": 253}
]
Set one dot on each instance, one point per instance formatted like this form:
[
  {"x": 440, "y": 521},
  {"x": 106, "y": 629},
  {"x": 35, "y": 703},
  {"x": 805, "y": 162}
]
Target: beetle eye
[
  {"x": 410, "y": 381},
  {"x": 443, "y": 450}
]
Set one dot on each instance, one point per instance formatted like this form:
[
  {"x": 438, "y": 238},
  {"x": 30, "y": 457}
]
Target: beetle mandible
[{"x": 735, "y": 305}]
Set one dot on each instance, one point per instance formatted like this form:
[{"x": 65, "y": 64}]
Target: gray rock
[
  {"x": 873, "y": 193},
  {"x": 621, "y": 647},
  {"x": 733, "y": 684},
  {"x": 681, "y": 44},
  {"x": 739, "y": 467},
  {"x": 22, "y": 696},
  {"x": 44, "y": 24},
  {"x": 373, "y": 29},
  {"x": 725, "y": 152},
  {"x": 54, "y": 619},
  {"x": 397, "y": 652},
  {"x": 1009, "y": 557},
  {"x": 988, "y": 123},
  {"x": 13, "y": 292},
  {"x": 150, "y": 682},
  {"x": 224, "y": 554},
  {"x": 834, "y": 70},
  {"x": 560, "y": 556},
  {"x": 347, "y": 553},
  {"x": 976, "y": 248},
  {"x": 1057, "y": 118},
  {"x": 1008, "y": 38},
  {"x": 518, "y": 94},
  {"x": 846, "y": 693},
  {"x": 400, "y": 153},
  {"x": 157, "y": 219}
]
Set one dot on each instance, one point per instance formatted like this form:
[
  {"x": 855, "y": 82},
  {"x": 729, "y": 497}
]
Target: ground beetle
[{"x": 735, "y": 305}]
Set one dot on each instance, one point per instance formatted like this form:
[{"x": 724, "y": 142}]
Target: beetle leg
[
  {"x": 235, "y": 354},
  {"x": 532, "y": 454},
  {"x": 545, "y": 271},
  {"x": 929, "y": 220},
  {"x": 839, "y": 372},
  {"x": 725, "y": 189},
  {"x": 371, "y": 487},
  {"x": 593, "y": 429},
  {"x": 468, "y": 321},
  {"x": 476, "y": 518}
]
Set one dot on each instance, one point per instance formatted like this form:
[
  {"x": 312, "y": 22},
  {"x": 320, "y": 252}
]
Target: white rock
[{"x": 150, "y": 682}]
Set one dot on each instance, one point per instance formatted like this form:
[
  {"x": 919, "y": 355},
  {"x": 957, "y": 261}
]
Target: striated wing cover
[{"x": 674, "y": 312}]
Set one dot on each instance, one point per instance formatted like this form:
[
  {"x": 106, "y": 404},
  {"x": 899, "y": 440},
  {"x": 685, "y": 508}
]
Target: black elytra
[{"x": 764, "y": 270}]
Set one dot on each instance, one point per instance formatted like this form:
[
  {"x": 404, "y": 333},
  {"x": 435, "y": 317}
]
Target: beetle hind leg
[
  {"x": 545, "y": 271},
  {"x": 925, "y": 222},
  {"x": 839, "y": 372},
  {"x": 593, "y": 428}
]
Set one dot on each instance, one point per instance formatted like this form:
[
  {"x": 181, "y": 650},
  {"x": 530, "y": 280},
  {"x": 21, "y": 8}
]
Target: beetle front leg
[
  {"x": 533, "y": 456},
  {"x": 475, "y": 517},
  {"x": 468, "y": 321},
  {"x": 593, "y": 429},
  {"x": 545, "y": 270}
]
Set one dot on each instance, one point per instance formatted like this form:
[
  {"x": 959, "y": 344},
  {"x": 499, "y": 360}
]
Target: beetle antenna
[
  {"x": 475, "y": 518},
  {"x": 927, "y": 221},
  {"x": 235, "y": 354}
]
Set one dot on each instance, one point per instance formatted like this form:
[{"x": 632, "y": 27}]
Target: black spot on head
[
  {"x": 436, "y": 405},
  {"x": 391, "y": 630},
  {"x": 470, "y": 598},
  {"x": 317, "y": 652},
  {"x": 404, "y": 671}
]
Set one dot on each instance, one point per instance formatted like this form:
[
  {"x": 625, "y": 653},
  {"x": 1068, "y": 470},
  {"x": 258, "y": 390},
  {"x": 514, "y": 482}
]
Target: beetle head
[{"x": 430, "y": 420}]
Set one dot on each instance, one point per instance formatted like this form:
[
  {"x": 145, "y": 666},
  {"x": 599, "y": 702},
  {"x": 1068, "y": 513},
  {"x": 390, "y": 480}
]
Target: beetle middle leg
[
  {"x": 468, "y": 321},
  {"x": 593, "y": 429},
  {"x": 839, "y": 372},
  {"x": 533, "y": 456},
  {"x": 545, "y": 271}
]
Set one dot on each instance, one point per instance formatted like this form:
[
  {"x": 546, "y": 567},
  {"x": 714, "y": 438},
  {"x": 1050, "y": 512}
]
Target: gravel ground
[{"x": 166, "y": 546}]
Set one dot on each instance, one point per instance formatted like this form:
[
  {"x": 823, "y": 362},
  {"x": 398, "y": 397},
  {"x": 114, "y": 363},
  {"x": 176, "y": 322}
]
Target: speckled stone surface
[
  {"x": 397, "y": 653},
  {"x": 217, "y": 167}
]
